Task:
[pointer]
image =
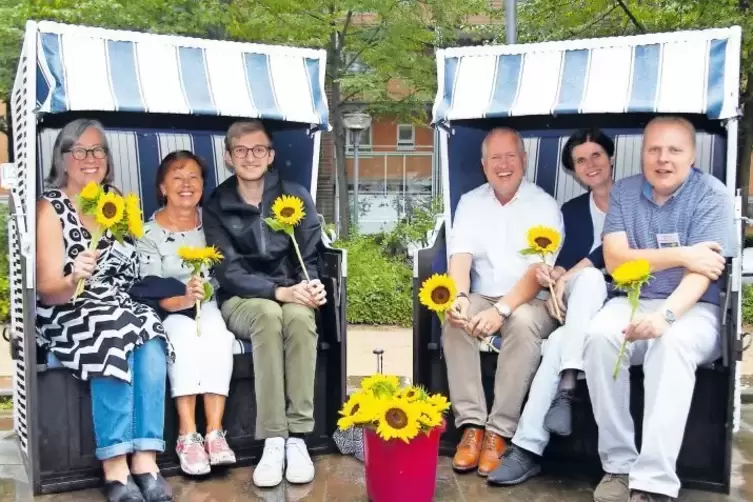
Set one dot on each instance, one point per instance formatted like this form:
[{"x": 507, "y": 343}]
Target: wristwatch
[
  {"x": 503, "y": 310},
  {"x": 669, "y": 316}
]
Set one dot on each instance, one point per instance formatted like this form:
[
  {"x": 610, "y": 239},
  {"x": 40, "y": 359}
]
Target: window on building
[
  {"x": 406, "y": 137},
  {"x": 364, "y": 145}
]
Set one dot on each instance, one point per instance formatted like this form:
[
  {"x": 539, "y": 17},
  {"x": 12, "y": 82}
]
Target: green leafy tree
[{"x": 379, "y": 52}]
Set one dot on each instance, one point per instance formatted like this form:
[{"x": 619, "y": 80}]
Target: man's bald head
[
  {"x": 676, "y": 121},
  {"x": 501, "y": 131}
]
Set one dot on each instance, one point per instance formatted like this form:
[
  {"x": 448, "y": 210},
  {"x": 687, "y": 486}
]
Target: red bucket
[{"x": 397, "y": 471}]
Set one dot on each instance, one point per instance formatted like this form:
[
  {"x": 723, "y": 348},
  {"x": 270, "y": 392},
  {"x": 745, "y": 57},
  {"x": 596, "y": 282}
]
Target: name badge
[{"x": 668, "y": 240}]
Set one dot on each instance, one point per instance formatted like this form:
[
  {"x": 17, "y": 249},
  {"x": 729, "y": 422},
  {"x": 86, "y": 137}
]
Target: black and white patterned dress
[{"x": 94, "y": 335}]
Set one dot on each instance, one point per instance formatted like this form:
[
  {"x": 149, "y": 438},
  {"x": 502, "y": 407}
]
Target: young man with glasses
[{"x": 265, "y": 298}]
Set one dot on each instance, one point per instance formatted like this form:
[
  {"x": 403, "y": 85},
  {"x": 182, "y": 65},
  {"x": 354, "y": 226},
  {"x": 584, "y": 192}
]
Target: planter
[{"x": 401, "y": 472}]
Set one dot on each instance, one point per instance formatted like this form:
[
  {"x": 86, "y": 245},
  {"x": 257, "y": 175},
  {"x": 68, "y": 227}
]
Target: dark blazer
[{"x": 579, "y": 234}]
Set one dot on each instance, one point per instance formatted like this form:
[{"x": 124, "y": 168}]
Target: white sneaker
[
  {"x": 268, "y": 471},
  {"x": 300, "y": 468}
]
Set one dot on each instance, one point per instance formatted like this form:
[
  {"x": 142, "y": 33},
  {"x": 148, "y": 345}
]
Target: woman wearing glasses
[
  {"x": 204, "y": 362},
  {"x": 104, "y": 337}
]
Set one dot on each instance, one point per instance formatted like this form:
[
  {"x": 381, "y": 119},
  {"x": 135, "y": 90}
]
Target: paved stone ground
[{"x": 340, "y": 479}]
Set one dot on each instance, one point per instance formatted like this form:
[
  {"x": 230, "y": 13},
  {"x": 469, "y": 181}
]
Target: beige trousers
[{"x": 517, "y": 362}]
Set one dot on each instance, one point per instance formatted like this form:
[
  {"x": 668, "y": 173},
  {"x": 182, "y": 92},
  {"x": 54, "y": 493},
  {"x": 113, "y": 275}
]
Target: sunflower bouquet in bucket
[
  {"x": 543, "y": 241},
  {"x": 197, "y": 258},
  {"x": 392, "y": 411},
  {"x": 437, "y": 294},
  {"x": 288, "y": 212},
  {"x": 111, "y": 211},
  {"x": 630, "y": 278}
]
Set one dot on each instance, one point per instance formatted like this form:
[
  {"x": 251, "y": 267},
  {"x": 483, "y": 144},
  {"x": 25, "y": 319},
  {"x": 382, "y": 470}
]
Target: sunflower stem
[
  {"x": 298, "y": 253},
  {"x": 198, "y": 317},
  {"x": 633, "y": 299},
  {"x": 556, "y": 305},
  {"x": 92, "y": 246}
]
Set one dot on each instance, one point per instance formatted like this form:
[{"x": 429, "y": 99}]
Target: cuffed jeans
[
  {"x": 517, "y": 361},
  {"x": 283, "y": 344},
  {"x": 669, "y": 366},
  {"x": 584, "y": 296},
  {"x": 130, "y": 417}
]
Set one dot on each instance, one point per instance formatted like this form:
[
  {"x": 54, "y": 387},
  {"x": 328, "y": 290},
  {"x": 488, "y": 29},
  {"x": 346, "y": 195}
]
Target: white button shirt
[{"x": 495, "y": 234}]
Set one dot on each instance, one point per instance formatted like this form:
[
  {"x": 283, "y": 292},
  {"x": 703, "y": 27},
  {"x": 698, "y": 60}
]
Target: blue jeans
[{"x": 131, "y": 417}]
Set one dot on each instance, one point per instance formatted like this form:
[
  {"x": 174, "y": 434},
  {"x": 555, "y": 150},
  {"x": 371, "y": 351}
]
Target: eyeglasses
[
  {"x": 80, "y": 153},
  {"x": 259, "y": 151}
]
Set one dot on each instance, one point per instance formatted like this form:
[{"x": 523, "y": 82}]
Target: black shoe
[
  {"x": 115, "y": 491},
  {"x": 517, "y": 466},
  {"x": 154, "y": 487},
  {"x": 559, "y": 418},
  {"x": 641, "y": 496}
]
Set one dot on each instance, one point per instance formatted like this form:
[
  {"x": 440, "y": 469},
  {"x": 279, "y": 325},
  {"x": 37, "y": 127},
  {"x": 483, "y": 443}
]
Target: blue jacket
[{"x": 579, "y": 234}]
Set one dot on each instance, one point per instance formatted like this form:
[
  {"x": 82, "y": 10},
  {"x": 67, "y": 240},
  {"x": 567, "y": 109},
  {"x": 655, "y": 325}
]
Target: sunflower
[
  {"x": 631, "y": 272},
  {"x": 398, "y": 419},
  {"x": 133, "y": 215},
  {"x": 429, "y": 416},
  {"x": 543, "y": 240},
  {"x": 439, "y": 402},
  {"x": 110, "y": 209},
  {"x": 381, "y": 385},
  {"x": 358, "y": 410},
  {"x": 91, "y": 191},
  {"x": 288, "y": 210},
  {"x": 412, "y": 394},
  {"x": 438, "y": 293},
  {"x": 193, "y": 254}
]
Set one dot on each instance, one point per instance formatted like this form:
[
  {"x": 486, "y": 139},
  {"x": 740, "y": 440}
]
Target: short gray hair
[
  {"x": 67, "y": 136},
  {"x": 503, "y": 130}
]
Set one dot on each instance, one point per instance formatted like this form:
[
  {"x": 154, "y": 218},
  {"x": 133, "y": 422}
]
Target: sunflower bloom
[
  {"x": 91, "y": 191},
  {"x": 631, "y": 272},
  {"x": 196, "y": 258},
  {"x": 410, "y": 394},
  {"x": 358, "y": 410},
  {"x": 288, "y": 210},
  {"x": 543, "y": 240},
  {"x": 438, "y": 293},
  {"x": 630, "y": 277},
  {"x": 133, "y": 216},
  {"x": 381, "y": 385},
  {"x": 439, "y": 401},
  {"x": 110, "y": 209},
  {"x": 428, "y": 415},
  {"x": 398, "y": 420}
]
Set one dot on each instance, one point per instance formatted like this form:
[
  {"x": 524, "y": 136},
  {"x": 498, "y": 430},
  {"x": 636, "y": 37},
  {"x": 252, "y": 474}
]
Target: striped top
[{"x": 700, "y": 210}]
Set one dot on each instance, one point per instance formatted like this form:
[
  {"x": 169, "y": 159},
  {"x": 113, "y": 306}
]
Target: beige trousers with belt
[{"x": 517, "y": 362}]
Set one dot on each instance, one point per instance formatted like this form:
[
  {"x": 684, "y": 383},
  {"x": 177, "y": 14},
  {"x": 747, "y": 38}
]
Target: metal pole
[
  {"x": 356, "y": 143},
  {"x": 510, "y": 21}
]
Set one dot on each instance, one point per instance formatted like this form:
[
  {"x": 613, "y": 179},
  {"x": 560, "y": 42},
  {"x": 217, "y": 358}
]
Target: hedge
[{"x": 379, "y": 286}]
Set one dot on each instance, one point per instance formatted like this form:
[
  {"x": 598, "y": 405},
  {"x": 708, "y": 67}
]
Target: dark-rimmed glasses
[
  {"x": 80, "y": 153},
  {"x": 259, "y": 151}
]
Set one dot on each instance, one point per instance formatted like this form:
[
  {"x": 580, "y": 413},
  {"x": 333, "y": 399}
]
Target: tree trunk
[{"x": 338, "y": 129}]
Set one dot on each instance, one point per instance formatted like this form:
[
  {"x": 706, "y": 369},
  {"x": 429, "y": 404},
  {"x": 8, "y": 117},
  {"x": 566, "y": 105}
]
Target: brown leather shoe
[
  {"x": 468, "y": 450},
  {"x": 491, "y": 452}
]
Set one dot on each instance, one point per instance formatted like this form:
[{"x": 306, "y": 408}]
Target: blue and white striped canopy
[
  {"x": 94, "y": 69},
  {"x": 682, "y": 72}
]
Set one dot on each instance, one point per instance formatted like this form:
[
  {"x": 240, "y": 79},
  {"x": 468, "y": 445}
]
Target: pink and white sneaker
[
  {"x": 218, "y": 450},
  {"x": 193, "y": 458}
]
